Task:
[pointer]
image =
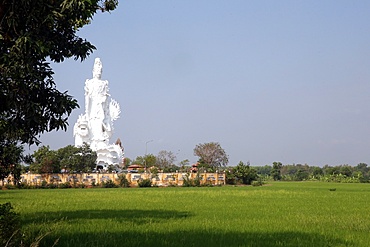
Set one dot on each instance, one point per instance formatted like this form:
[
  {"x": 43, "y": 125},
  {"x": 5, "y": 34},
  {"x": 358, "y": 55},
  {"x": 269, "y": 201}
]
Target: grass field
[{"x": 278, "y": 214}]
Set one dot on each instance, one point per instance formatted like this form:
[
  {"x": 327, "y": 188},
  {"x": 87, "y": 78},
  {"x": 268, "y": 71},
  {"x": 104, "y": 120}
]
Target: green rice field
[{"x": 276, "y": 214}]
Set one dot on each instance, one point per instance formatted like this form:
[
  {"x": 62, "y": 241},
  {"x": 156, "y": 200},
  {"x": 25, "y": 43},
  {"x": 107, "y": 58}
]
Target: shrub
[
  {"x": 10, "y": 186},
  {"x": 51, "y": 186},
  {"x": 44, "y": 184},
  {"x": 123, "y": 181},
  {"x": 81, "y": 185},
  {"x": 24, "y": 185},
  {"x": 257, "y": 182},
  {"x": 230, "y": 178},
  {"x": 109, "y": 184},
  {"x": 189, "y": 182},
  {"x": 145, "y": 183},
  {"x": 245, "y": 173},
  {"x": 65, "y": 185}
]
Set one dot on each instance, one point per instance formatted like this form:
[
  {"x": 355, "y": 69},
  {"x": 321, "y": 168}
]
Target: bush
[
  {"x": 109, "y": 184},
  {"x": 123, "y": 181},
  {"x": 25, "y": 186},
  {"x": 10, "y": 234},
  {"x": 10, "y": 186},
  {"x": 230, "y": 178},
  {"x": 188, "y": 182},
  {"x": 257, "y": 183},
  {"x": 65, "y": 185},
  {"x": 244, "y": 173},
  {"x": 44, "y": 184},
  {"x": 145, "y": 183}
]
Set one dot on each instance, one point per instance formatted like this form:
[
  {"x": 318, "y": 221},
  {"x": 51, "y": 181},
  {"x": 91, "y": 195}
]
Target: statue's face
[{"x": 83, "y": 130}]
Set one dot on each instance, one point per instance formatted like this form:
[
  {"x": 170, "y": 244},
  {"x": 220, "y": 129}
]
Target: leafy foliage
[
  {"x": 145, "y": 183},
  {"x": 46, "y": 161},
  {"x": 123, "y": 181},
  {"x": 69, "y": 158},
  {"x": 245, "y": 173},
  {"x": 276, "y": 170},
  {"x": 148, "y": 160},
  {"x": 109, "y": 184},
  {"x": 191, "y": 182}
]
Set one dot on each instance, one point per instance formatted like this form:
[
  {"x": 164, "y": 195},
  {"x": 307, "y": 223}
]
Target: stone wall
[{"x": 161, "y": 179}]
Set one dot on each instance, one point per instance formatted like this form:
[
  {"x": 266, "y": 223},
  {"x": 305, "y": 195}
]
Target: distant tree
[
  {"x": 150, "y": 160},
  {"x": 139, "y": 160},
  {"x": 245, "y": 173},
  {"x": 302, "y": 174},
  {"x": 346, "y": 170},
  {"x": 276, "y": 170},
  {"x": 211, "y": 154},
  {"x": 45, "y": 161},
  {"x": 330, "y": 170},
  {"x": 317, "y": 172},
  {"x": 67, "y": 157},
  {"x": 364, "y": 170},
  {"x": 85, "y": 159},
  {"x": 263, "y": 170},
  {"x": 362, "y": 167},
  {"x": 288, "y": 171},
  {"x": 184, "y": 165},
  {"x": 165, "y": 159},
  {"x": 185, "y": 162},
  {"x": 127, "y": 162}
]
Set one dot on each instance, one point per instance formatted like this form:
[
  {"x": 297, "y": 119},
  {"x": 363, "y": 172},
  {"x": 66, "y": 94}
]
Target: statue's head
[
  {"x": 82, "y": 127},
  {"x": 98, "y": 68}
]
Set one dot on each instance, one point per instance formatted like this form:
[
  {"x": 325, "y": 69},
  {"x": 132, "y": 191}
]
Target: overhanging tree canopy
[{"x": 31, "y": 33}]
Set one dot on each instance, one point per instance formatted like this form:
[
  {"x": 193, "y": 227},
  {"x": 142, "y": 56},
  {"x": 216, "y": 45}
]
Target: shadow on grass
[
  {"x": 135, "y": 216},
  {"x": 196, "y": 238}
]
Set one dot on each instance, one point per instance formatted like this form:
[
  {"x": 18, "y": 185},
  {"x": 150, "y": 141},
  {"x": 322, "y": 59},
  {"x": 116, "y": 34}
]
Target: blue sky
[{"x": 269, "y": 80}]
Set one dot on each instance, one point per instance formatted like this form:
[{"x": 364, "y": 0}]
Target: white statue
[{"x": 95, "y": 127}]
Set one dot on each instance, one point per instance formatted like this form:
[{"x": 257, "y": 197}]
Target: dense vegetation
[
  {"x": 297, "y": 172},
  {"x": 280, "y": 214}
]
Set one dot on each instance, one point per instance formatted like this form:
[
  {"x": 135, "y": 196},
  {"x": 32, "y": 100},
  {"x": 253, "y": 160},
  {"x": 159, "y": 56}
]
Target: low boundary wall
[{"x": 160, "y": 179}]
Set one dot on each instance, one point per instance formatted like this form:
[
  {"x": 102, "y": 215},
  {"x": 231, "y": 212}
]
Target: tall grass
[{"x": 279, "y": 214}]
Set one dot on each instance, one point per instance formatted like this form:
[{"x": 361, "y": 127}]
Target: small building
[
  {"x": 194, "y": 168},
  {"x": 134, "y": 168}
]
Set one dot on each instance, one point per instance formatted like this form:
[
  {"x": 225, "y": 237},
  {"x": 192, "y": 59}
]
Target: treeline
[
  {"x": 67, "y": 159},
  {"x": 299, "y": 172},
  {"x": 246, "y": 174}
]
